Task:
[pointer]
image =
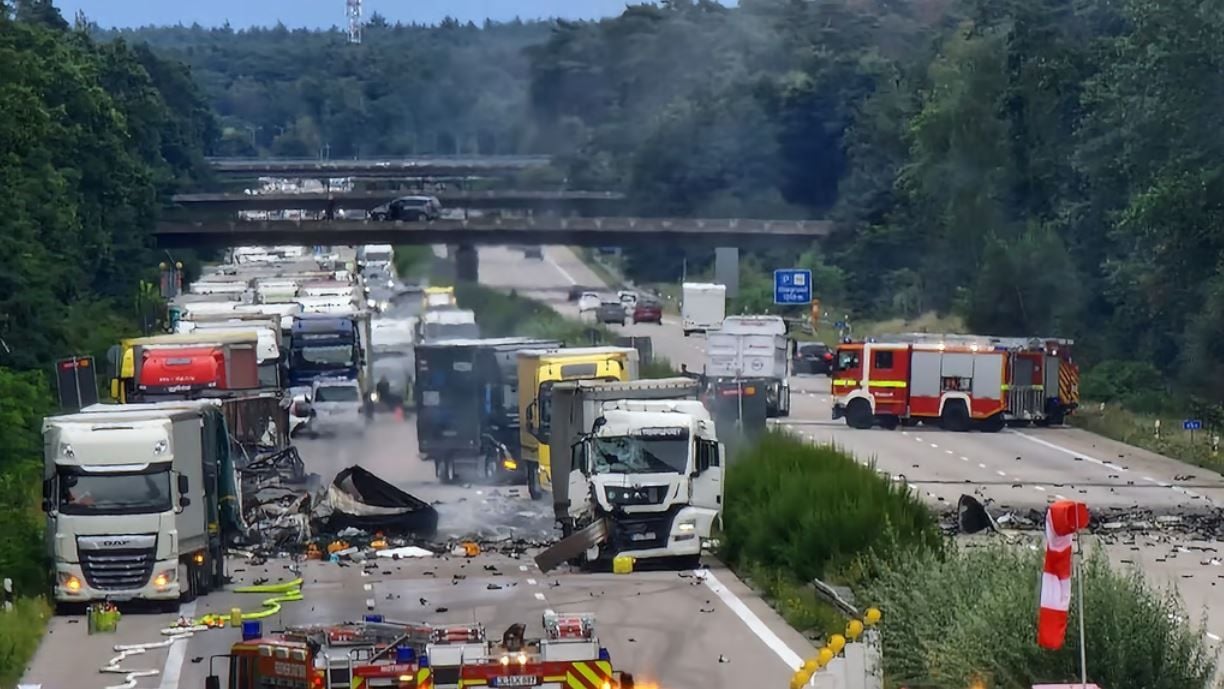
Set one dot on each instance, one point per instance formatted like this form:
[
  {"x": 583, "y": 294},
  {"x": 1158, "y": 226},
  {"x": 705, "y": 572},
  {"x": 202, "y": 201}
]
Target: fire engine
[
  {"x": 957, "y": 381},
  {"x": 568, "y": 656},
  {"x": 370, "y": 654},
  {"x": 375, "y": 654}
]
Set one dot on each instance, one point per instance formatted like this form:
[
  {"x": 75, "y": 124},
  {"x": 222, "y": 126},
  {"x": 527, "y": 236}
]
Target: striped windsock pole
[{"x": 1063, "y": 519}]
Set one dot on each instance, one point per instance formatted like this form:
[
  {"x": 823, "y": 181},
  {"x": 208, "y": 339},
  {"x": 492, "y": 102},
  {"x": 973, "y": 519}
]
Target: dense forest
[
  {"x": 93, "y": 136},
  {"x": 1036, "y": 166}
]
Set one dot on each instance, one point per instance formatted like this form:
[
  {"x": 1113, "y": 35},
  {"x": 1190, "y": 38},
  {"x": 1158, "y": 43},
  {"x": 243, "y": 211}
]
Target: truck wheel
[
  {"x": 188, "y": 586},
  {"x": 955, "y": 416},
  {"x": 445, "y": 470},
  {"x": 888, "y": 422},
  {"x": 1056, "y": 417},
  {"x": 858, "y": 414},
  {"x": 533, "y": 482},
  {"x": 687, "y": 333},
  {"x": 994, "y": 424}
]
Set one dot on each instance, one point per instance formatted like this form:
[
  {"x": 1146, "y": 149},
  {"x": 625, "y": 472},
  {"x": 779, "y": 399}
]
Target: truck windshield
[
  {"x": 115, "y": 493},
  {"x": 328, "y": 355},
  {"x": 625, "y": 455},
  {"x": 337, "y": 393}
]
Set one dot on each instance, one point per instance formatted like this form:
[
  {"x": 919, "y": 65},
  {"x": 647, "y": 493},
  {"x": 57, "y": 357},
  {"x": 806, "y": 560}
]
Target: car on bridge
[{"x": 408, "y": 209}]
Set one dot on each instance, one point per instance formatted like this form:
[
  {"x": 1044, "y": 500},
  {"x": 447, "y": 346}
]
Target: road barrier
[{"x": 850, "y": 661}]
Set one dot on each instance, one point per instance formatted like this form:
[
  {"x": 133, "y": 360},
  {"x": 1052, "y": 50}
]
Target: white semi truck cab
[
  {"x": 131, "y": 504},
  {"x": 652, "y": 471}
]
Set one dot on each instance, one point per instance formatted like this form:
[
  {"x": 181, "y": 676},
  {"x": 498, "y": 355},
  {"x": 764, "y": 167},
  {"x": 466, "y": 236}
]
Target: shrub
[
  {"x": 1136, "y": 384},
  {"x": 813, "y": 510},
  {"x": 971, "y": 615},
  {"x": 20, "y": 631}
]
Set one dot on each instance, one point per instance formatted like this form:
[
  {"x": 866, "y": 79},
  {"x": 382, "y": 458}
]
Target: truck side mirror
[
  {"x": 531, "y": 416},
  {"x": 183, "y": 485},
  {"x": 184, "y": 502},
  {"x": 212, "y": 682}
]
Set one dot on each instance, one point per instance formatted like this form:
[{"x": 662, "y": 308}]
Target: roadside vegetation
[{"x": 954, "y": 615}]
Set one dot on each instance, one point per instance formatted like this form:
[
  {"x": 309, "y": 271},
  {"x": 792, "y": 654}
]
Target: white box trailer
[
  {"x": 753, "y": 347},
  {"x": 703, "y": 307}
]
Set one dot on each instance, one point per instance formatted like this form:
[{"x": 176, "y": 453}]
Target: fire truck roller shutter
[
  {"x": 925, "y": 384},
  {"x": 989, "y": 378}
]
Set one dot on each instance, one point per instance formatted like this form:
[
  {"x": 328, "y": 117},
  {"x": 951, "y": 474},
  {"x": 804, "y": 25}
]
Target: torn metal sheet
[{"x": 359, "y": 499}]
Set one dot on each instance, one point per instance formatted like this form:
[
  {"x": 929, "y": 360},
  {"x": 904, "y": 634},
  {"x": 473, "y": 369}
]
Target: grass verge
[
  {"x": 797, "y": 512},
  {"x": 21, "y": 630},
  {"x": 968, "y": 618},
  {"x": 1116, "y": 422}
]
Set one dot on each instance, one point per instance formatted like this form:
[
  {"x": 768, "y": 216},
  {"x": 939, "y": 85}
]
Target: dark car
[
  {"x": 575, "y": 292},
  {"x": 533, "y": 252},
  {"x": 648, "y": 311},
  {"x": 610, "y": 312},
  {"x": 814, "y": 357},
  {"x": 409, "y": 209}
]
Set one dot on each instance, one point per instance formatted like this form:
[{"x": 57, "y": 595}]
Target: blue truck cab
[{"x": 328, "y": 345}]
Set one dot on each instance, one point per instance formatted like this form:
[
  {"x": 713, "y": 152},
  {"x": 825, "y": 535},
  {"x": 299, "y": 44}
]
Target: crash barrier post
[
  {"x": 849, "y": 661},
  {"x": 8, "y": 594}
]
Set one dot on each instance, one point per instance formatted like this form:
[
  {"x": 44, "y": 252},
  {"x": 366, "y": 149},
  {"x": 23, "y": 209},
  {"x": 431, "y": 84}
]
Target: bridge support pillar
[
  {"x": 467, "y": 263},
  {"x": 726, "y": 269}
]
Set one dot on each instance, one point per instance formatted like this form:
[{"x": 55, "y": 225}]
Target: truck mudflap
[{"x": 573, "y": 546}]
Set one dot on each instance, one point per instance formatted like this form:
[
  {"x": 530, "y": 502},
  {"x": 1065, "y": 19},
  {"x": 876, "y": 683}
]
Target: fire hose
[{"x": 286, "y": 592}]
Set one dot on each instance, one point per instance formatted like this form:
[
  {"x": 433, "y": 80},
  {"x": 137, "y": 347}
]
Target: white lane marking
[
  {"x": 948, "y": 452},
  {"x": 1059, "y": 496},
  {"x": 564, "y": 273},
  {"x": 1000, "y": 473},
  {"x": 981, "y": 465},
  {"x": 531, "y": 582},
  {"x": 934, "y": 446},
  {"x": 1040, "y": 488},
  {"x": 964, "y": 459},
  {"x": 522, "y": 568},
  {"x": 1213, "y": 637},
  {"x": 178, "y": 653},
  {"x": 917, "y": 438},
  {"x": 904, "y": 432},
  {"x": 1108, "y": 465},
  {"x": 762, "y": 631},
  {"x": 539, "y": 596}
]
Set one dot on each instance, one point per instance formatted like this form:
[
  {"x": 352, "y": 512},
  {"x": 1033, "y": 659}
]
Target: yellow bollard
[
  {"x": 622, "y": 564},
  {"x": 235, "y": 617}
]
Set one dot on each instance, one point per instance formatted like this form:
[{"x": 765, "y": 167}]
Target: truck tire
[
  {"x": 188, "y": 583},
  {"x": 888, "y": 422},
  {"x": 533, "y": 482},
  {"x": 955, "y": 416},
  {"x": 993, "y": 424},
  {"x": 858, "y": 414},
  {"x": 445, "y": 470}
]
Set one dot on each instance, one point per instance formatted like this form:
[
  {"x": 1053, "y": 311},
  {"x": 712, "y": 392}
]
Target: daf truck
[
  {"x": 133, "y": 497},
  {"x": 753, "y": 347},
  {"x": 538, "y": 372},
  {"x": 447, "y": 324},
  {"x": 646, "y": 482}
]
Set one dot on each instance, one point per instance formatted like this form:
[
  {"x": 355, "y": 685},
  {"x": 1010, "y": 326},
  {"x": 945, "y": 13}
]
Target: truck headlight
[
  {"x": 686, "y": 526},
  {"x": 70, "y": 582},
  {"x": 374, "y": 397},
  {"x": 164, "y": 579}
]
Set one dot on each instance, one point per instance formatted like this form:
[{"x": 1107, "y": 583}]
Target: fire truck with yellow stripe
[
  {"x": 568, "y": 656},
  {"x": 378, "y": 654},
  {"x": 957, "y": 381}
]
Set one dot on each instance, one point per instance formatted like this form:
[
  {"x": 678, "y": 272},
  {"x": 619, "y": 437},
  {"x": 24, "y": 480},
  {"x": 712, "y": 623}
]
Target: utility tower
[{"x": 353, "y": 12}]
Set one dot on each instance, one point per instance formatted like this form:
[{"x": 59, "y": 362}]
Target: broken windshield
[{"x": 627, "y": 455}]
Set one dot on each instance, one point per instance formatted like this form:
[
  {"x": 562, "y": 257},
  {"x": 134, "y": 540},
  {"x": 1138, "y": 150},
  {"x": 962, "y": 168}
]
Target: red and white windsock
[{"x": 1063, "y": 519}]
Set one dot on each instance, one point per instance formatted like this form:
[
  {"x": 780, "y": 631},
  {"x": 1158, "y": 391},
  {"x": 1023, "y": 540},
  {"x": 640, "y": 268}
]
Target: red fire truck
[
  {"x": 958, "y": 381},
  {"x": 568, "y": 656}
]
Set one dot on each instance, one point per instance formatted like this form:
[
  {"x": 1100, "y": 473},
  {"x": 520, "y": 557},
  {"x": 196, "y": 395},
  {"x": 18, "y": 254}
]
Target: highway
[
  {"x": 672, "y": 628},
  {"x": 366, "y": 199},
  {"x": 1014, "y": 472},
  {"x": 666, "y": 627}
]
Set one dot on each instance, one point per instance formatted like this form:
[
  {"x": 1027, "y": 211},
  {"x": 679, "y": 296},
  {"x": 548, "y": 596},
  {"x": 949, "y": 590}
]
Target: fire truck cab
[
  {"x": 370, "y": 654},
  {"x": 957, "y": 384},
  {"x": 568, "y": 656}
]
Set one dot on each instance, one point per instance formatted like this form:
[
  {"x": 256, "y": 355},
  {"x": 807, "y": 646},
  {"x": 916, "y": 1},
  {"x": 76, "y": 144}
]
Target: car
[
  {"x": 336, "y": 406},
  {"x": 576, "y": 292},
  {"x": 589, "y": 301},
  {"x": 627, "y": 299},
  {"x": 813, "y": 357},
  {"x": 409, "y": 209},
  {"x": 610, "y": 312},
  {"x": 648, "y": 311},
  {"x": 533, "y": 252}
]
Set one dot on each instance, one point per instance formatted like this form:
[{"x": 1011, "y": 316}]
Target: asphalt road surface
[
  {"x": 1166, "y": 511},
  {"x": 678, "y": 629}
]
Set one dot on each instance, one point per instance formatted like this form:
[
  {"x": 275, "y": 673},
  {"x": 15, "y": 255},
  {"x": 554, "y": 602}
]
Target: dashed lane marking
[
  {"x": 178, "y": 653},
  {"x": 539, "y": 596}
]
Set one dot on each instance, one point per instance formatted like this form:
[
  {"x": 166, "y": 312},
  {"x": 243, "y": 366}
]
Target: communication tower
[{"x": 353, "y": 12}]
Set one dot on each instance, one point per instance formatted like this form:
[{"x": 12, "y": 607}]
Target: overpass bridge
[
  {"x": 387, "y": 168},
  {"x": 743, "y": 233},
  {"x": 214, "y": 204}
]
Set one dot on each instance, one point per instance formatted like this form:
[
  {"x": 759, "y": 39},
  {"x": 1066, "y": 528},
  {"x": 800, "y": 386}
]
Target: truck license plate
[
  {"x": 648, "y": 536},
  {"x": 516, "y": 681}
]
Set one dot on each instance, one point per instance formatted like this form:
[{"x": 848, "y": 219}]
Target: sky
[{"x": 324, "y": 13}]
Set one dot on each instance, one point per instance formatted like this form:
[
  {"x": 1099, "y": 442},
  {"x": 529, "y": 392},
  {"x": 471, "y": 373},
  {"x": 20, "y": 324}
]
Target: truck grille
[
  {"x": 1026, "y": 402},
  {"x": 642, "y": 532},
  {"x": 119, "y": 569}
]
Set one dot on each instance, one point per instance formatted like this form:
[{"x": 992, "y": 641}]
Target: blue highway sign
[{"x": 792, "y": 286}]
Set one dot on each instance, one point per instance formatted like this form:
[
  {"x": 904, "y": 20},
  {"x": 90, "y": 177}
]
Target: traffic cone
[{"x": 399, "y": 413}]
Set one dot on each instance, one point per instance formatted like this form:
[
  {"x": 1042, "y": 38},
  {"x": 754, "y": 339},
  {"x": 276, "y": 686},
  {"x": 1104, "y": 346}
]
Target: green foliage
[
  {"x": 972, "y": 616},
  {"x": 20, "y": 633},
  {"x": 1131, "y": 383},
  {"x": 510, "y": 315},
  {"x": 812, "y": 511},
  {"x": 658, "y": 367},
  {"x": 413, "y": 261}
]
